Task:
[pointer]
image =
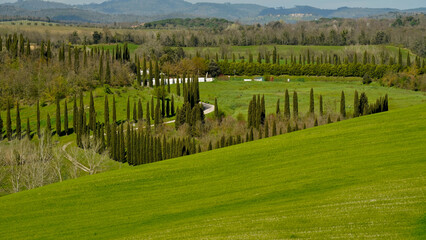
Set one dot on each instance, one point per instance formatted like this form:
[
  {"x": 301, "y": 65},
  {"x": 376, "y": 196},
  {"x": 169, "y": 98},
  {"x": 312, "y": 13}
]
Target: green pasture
[{"x": 357, "y": 179}]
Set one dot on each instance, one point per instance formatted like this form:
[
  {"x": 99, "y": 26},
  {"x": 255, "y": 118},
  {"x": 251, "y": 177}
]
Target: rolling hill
[
  {"x": 151, "y": 10},
  {"x": 356, "y": 179}
]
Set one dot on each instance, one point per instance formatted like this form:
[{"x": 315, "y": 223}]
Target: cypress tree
[
  {"x": 329, "y": 119},
  {"x": 210, "y": 146},
  {"x": 365, "y": 58},
  {"x": 399, "y": 57},
  {"x": 75, "y": 115},
  {"x": 148, "y": 117},
  {"x": 157, "y": 116},
  {"x": 356, "y": 105},
  {"x": 266, "y": 129},
  {"x": 66, "y": 117},
  {"x": 173, "y": 106},
  {"x": 101, "y": 69},
  {"x": 277, "y": 110},
  {"x": 106, "y": 111},
  {"x": 408, "y": 60},
  {"x": 311, "y": 102},
  {"x": 38, "y": 119},
  {"x": 287, "y": 105},
  {"x": 274, "y": 128},
  {"x": 48, "y": 124},
  {"x": 114, "y": 111},
  {"x": 295, "y": 106},
  {"x": 129, "y": 145},
  {"x": 18, "y": 121},
  {"x": 168, "y": 108},
  {"x": 140, "y": 111},
  {"x": 144, "y": 73},
  {"x": 58, "y": 117},
  {"x": 8, "y": 123},
  {"x": 135, "y": 112},
  {"x": 128, "y": 109},
  {"x": 216, "y": 109},
  {"x": 92, "y": 113},
  {"x": 76, "y": 59},
  {"x": 28, "y": 129},
  {"x": 152, "y": 108},
  {"x": 321, "y": 106},
  {"x": 363, "y": 104},
  {"x": 163, "y": 102},
  {"x": 107, "y": 72},
  {"x": 177, "y": 87},
  {"x": 316, "y": 122},
  {"x": 342, "y": 105}
]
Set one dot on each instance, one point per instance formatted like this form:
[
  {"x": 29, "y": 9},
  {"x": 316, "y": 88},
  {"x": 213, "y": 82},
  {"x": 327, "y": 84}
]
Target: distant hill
[
  {"x": 152, "y": 10},
  {"x": 176, "y": 7},
  {"x": 189, "y": 23},
  {"x": 343, "y": 12},
  {"x": 35, "y": 5}
]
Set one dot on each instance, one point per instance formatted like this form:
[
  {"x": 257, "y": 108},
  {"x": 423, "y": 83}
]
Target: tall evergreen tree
[
  {"x": 38, "y": 119},
  {"x": 148, "y": 117},
  {"x": 287, "y": 105},
  {"x": 173, "y": 106},
  {"x": 177, "y": 87},
  {"x": 75, "y": 116},
  {"x": 106, "y": 110},
  {"x": 66, "y": 117},
  {"x": 8, "y": 122},
  {"x": 152, "y": 108},
  {"x": 408, "y": 60},
  {"x": 108, "y": 72},
  {"x": 128, "y": 110},
  {"x": 18, "y": 121},
  {"x": 58, "y": 117},
  {"x": 101, "y": 69},
  {"x": 140, "y": 111},
  {"x": 135, "y": 112},
  {"x": 342, "y": 105},
  {"x": 356, "y": 105},
  {"x": 277, "y": 110},
  {"x": 399, "y": 57},
  {"x": 114, "y": 111},
  {"x": 321, "y": 106},
  {"x": 311, "y": 102},
  {"x": 92, "y": 112},
  {"x": 216, "y": 109},
  {"x": 295, "y": 106}
]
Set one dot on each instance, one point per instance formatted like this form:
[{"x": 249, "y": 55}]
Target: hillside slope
[{"x": 357, "y": 179}]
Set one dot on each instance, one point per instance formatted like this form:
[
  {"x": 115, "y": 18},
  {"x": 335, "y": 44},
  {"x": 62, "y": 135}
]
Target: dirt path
[{"x": 72, "y": 160}]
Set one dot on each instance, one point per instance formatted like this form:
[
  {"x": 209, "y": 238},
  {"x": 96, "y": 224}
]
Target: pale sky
[{"x": 330, "y": 4}]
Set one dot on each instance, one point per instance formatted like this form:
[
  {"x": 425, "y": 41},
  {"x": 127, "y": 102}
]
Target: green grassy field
[
  {"x": 234, "y": 95},
  {"x": 357, "y": 179}
]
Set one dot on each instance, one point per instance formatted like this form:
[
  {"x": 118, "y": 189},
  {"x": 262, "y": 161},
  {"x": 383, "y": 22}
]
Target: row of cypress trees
[
  {"x": 256, "y": 109},
  {"x": 310, "y": 58}
]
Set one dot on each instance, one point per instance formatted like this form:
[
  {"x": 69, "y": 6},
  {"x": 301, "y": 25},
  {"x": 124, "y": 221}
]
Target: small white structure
[
  {"x": 259, "y": 79},
  {"x": 288, "y": 80},
  {"x": 247, "y": 80}
]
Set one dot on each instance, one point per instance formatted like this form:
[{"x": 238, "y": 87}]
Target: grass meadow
[{"x": 356, "y": 179}]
